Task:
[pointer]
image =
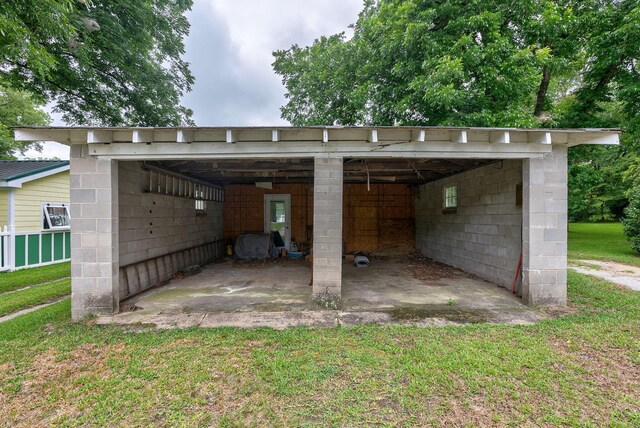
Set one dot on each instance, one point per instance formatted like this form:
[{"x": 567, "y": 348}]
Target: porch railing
[{"x": 19, "y": 250}]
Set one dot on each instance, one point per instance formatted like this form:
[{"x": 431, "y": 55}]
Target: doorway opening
[{"x": 277, "y": 217}]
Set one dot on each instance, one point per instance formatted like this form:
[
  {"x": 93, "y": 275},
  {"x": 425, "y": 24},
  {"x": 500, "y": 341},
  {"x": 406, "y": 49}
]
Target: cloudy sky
[{"x": 230, "y": 48}]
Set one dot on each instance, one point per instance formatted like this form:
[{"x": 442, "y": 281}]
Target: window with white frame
[
  {"x": 55, "y": 216},
  {"x": 201, "y": 206},
  {"x": 450, "y": 197}
]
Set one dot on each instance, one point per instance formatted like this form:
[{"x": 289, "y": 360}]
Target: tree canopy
[
  {"x": 456, "y": 62},
  {"x": 99, "y": 62},
  {"x": 17, "y": 108},
  {"x": 530, "y": 63}
]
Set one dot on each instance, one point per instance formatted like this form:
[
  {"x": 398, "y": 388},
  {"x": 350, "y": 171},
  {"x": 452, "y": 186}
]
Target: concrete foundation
[{"x": 278, "y": 294}]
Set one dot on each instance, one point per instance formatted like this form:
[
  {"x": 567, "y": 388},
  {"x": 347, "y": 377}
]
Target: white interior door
[{"x": 277, "y": 216}]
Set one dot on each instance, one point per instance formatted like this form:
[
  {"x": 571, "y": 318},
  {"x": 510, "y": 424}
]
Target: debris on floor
[
  {"x": 429, "y": 270},
  {"x": 262, "y": 262},
  {"x": 192, "y": 270},
  {"x": 128, "y": 307}
]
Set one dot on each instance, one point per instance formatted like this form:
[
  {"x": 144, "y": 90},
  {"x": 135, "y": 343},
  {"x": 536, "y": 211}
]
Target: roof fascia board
[
  {"x": 69, "y": 136},
  {"x": 403, "y": 149},
  {"x": 18, "y": 181}
]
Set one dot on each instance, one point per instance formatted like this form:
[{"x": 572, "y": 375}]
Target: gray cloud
[{"x": 230, "y": 48}]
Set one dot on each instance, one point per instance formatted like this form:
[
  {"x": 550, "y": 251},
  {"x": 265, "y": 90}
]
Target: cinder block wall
[
  {"x": 544, "y": 263},
  {"x": 153, "y": 225},
  {"x": 484, "y": 236}
]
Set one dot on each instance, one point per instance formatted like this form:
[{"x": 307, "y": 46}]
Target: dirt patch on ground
[
  {"x": 618, "y": 273},
  {"x": 607, "y": 367},
  {"x": 560, "y": 311},
  {"x": 462, "y": 316},
  {"x": 53, "y": 371},
  {"x": 427, "y": 269}
]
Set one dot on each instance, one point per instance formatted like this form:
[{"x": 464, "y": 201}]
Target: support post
[
  {"x": 327, "y": 232},
  {"x": 11, "y": 220},
  {"x": 544, "y": 229},
  {"x": 94, "y": 234}
]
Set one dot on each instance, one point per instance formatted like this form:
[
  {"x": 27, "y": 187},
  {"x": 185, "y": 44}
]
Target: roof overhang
[
  {"x": 16, "y": 183},
  {"x": 301, "y": 142}
]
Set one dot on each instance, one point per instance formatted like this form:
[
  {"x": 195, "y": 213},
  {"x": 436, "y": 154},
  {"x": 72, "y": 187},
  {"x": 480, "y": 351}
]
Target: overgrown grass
[
  {"x": 32, "y": 276},
  {"x": 600, "y": 241},
  {"x": 582, "y": 369},
  {"x": 23, "y": 299}
]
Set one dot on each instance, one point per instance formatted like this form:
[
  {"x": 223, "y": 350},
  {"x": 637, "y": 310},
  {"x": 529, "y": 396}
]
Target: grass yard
[
  {"x": 25, "y": 277},
  {"x": 600, "y": 241},
  {"x": 582, "y": 369},
  {"x": 34, "y": 296}
]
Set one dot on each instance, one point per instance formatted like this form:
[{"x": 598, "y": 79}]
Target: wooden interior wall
[
  {"x": 375, "y": 219},
  {"x": 380, "y": 218},
  {"x": 244, "y": 209}
]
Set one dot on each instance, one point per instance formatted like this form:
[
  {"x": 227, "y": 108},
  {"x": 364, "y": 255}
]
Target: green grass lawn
[
  {"x": 600, "y": 241},
  {"x": 23, "y": 299},
  {"x": 581, "y": 369},
  {"x": 25, "y": 277}
]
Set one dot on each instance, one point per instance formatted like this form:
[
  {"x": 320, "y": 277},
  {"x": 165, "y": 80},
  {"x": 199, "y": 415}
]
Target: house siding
[
  {"x": 29, "y": 199},
  {"x": 4, "y": 203}
]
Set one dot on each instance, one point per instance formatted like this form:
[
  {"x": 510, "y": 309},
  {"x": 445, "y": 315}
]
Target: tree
[
  {"x": 530, "y": 63},
  {"x": 631, "y": 223},
  {"x": 100, "y": 62},
  {"x": 433, "y": 63},
  {"x": 17, "y": 108}
]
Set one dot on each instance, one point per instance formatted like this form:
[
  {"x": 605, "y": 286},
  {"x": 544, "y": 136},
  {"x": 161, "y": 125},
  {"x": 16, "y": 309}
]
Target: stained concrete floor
[{"x": 278, "y": 294}]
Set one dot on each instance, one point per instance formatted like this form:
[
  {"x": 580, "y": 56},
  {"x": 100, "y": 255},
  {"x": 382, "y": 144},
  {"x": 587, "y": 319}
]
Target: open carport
[{"x": 147, "y": 203}]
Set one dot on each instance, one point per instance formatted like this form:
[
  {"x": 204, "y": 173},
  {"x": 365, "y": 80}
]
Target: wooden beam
[
  {"x": 373, "y": 136},
  {"x": 540, "y": 137},
  {"x": 297, "y": 150},
  {"x": 99, "y": 136},
  {"x": 422, "y": 136},
  {"x": 275, "y": 135},
  {"x": 325, "y": 135},
  {"x": 459, "y": 136},
  {"x": 231, "y": 136},
  {"x": 591, "y": 137},
  {"x": 184, "y": 136},
  {"x": 142, "y": 136},
  {"x": 500, "y": 137}
]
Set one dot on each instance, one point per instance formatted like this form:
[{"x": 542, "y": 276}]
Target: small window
[
  {"x": 450, "y": 197},
  {"x": 55, "y": 216},
  {"x": 201, "y": 207}
]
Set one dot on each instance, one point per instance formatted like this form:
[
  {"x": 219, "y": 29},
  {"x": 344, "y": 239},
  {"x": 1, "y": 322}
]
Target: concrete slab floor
[{"x": 278, "y": 294}]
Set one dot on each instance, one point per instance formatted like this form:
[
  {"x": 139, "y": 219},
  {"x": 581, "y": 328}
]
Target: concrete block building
[{"x": 147, "y": 202}]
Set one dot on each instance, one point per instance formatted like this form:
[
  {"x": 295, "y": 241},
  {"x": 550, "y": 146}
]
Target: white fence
[{"x": 19, "y": 250}]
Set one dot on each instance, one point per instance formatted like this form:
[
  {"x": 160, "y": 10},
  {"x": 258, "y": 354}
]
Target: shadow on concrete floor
[{"x": 278, "y": 294}]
